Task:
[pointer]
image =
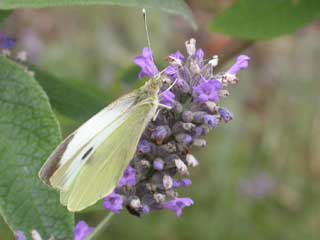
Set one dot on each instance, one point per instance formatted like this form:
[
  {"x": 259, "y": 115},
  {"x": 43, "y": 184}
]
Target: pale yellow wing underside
[{"x": 103, "y": 170}]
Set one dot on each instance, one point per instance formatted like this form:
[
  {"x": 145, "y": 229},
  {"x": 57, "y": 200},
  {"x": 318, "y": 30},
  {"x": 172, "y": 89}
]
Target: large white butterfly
[{"x": 89, "y": 163}]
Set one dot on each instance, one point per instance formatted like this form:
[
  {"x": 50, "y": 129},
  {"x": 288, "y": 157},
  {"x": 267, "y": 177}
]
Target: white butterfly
[{"x": 89, "y": 163}]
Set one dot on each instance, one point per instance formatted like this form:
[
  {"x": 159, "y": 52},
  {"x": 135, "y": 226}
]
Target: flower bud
[
  {"x": 198, "y": 142},
  {"x": 144, "y": 147},
  {"x": 135, "y": 203},
  {"x": 211, "y": 120},
  {"x": 191, "y": 46},
  {"x": 159, "y": 197},
  {"x": 191, "y": 160},
  {"x": 187, "y": 116},
  {"x": 188, "y": 126},
  {"x": 182, "y": 168},
  {"x": 214, "y": 61},
  {"x": 224, "y": 93},
  {"x": 167, "y": 181},
  {"x": 212, "y": 106},
  {"x": 226, "y": 114},
  {"x": 158, "y": 164},
  {"x": 182, "y": 183},
  {"x": 161, "y": 133},
  {"x": 183, "y": 138},
  {"x": 198, "y": 117}
]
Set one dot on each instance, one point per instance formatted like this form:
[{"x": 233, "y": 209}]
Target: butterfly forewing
[
  {"x": 77, "y": 145},
  {"x": 105, "y": 167}
]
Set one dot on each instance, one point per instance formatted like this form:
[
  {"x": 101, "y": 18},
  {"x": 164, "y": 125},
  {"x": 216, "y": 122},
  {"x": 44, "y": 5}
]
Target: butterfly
[{"x": 90, "y": 162}]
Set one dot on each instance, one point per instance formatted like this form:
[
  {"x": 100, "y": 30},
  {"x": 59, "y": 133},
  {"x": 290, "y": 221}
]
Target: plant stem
[{"x": 101, "y": 227}]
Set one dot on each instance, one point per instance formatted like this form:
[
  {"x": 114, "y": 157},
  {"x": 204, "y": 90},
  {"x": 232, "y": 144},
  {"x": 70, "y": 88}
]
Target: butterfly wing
[
  {"x": 90, "y": 162},
  {"x": 107, "y": 164},
  {"x": 75, "y": 147}
]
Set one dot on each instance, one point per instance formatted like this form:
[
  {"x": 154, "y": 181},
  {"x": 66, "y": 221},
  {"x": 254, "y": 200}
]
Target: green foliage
[
  {"x": 29, "y": 132},
  {"x": 77, "y": 101},
  {"x": 256, "y": 20},
  {"x": 4, "y": 15},
  {"x": 172, "y": 6}
]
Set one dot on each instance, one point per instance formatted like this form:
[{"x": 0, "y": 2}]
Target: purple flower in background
[
  {"x": 176, "y": 205},
  {"x": 6, "y": 42},
  {"x": 258, "y": 187},
  {"x": 207, "y": 90},
  {"x": 145, "y": 62},
  {"x": 128, "y": 178},
  {"x": 113, "y": 202},
  {"x": 167, "y": 98},
  {"x": 241, "y": 64},
  {"x": 20, "y": 235},
  {"x": 82, "y": 230}
]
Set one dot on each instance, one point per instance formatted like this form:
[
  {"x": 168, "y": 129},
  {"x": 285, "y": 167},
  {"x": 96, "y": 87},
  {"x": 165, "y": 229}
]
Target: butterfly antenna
[{"x": 144, "y": 12}]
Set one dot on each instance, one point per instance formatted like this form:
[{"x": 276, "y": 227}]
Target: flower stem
[{"x": 101, "y": 227}]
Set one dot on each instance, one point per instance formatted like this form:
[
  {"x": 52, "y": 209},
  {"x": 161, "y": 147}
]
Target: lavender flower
[
  {"x": 82, "y": 230},
  {"x": 182, "y": 183},
  {"x": 145, "y": 61},
  {"x": 128, "y": 178},
  {"x": 144, "y": 146},
  {"x": 208, "y": 90},
  {"x": 199, "y": 55},
  {"x": 176, "y": 205},
  {"x": 211, "y": 120},
  {"x": 158, "y": 164},
  {"x": 167, "y": 98},
  {"x": 226, "y": 114},
  {"x": 113, "y": 202},
  {"x": 20, "y": 235},
  {"x": 163, "y": 154},
  {"x": 257, "y": 187},
  {"x": 6, "y": 42},
  {"x": 242, "y": 63}
]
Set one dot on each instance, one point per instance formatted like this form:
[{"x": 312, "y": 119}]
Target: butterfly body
[{"x": 89, "y": 163}]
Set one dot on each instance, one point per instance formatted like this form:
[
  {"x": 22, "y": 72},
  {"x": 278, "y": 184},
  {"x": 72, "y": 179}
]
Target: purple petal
[
  {"x": 241, "y": 64},
  {"x": 207, "y": 90},
  {"x": 167, "y": 98},
  {"x": 177, "y": 205},
  {"x": 177, "y": 55},
  {"x": 82, "y": 230},
  {"x": 6, "y": 42},
  {"x": 113, "y": 202},
  {"x": 145, "y": 62},
  {"x": 20, "y": 235},
  {"x": 128, "y": 178}
]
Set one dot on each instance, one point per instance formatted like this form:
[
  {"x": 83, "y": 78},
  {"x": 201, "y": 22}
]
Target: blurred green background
[{"x": 259, "y": 175}]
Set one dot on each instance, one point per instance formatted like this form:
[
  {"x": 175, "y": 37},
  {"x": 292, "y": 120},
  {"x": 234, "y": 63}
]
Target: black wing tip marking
[{"x": 51, "y": 165}]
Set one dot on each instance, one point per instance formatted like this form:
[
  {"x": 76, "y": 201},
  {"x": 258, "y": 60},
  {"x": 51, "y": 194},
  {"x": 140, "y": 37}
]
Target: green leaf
[
  {"x": 29, "y": 132},
  {"x": 256, "y": 20},
  {"x": 4, "y": 15},
  {"x": 171, "y": 6},
  {"x": 77, "y": 101}
]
